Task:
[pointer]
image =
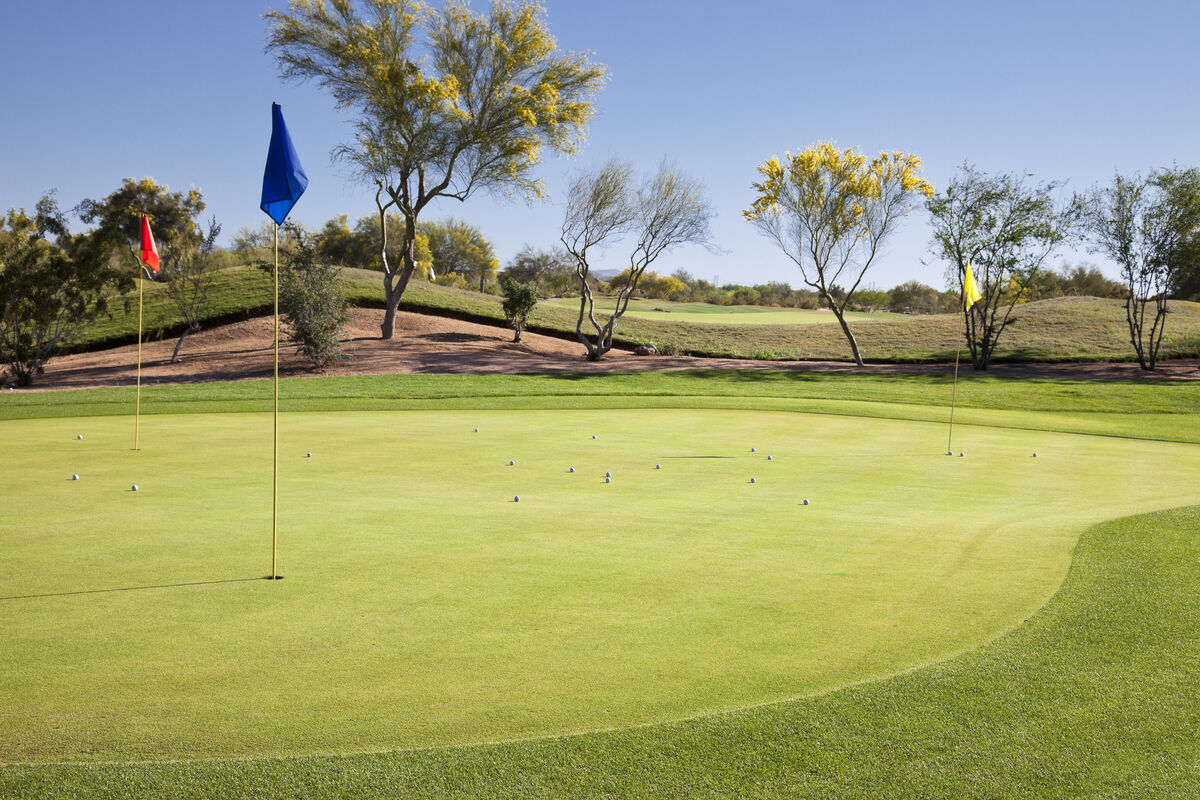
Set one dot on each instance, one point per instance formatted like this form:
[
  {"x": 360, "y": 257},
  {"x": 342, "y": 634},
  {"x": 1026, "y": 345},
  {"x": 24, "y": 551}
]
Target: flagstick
[
  {"x": 953, "y": 395},
  {"x": 275, "y": 487},
  {"x": 137, "y": 412}
]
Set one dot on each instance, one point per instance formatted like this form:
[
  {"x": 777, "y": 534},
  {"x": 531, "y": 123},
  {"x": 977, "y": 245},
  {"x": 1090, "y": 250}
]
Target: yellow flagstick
[
  {"x": 970, "y": 297},
  {"x": 275, "y": 479},
  {"x": 953, "y": 395},
  {"x": 137, "y": 409}
]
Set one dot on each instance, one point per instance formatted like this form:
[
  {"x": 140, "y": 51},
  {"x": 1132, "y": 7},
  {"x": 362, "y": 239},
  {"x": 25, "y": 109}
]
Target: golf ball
[
  {"x": 658, "y": 466},
  {"x": 593, "y": 436},
  {"x": 572, "y": 469},
  {"x": 960, "y": 455},
  {"x": 517, "y": 499},
  {"x": 80, "y": 436},
  {"x": 753, "y": 449},
  {"x": 74, "y": 477},
  {"x": 1035, "y": 455},
  {"x": 768, "y": 458},
  {"x": 511, "y": 463},
  {"x": 753, "y": 480},
  {"x": 806, "y": 501},
  {"x": 608, "y": 480},
  {"x": 608, "y": 474},
  {"x": 133, "y": 488},
  {"x": 477, "y": 430},
  {"x": 949, "y": 452},
  {"x": 308, "y": 455}
]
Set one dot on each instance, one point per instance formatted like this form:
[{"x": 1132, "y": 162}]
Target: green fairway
[
  {"x": 667, "y": 311},
  {"x": 422, "y": 606}
]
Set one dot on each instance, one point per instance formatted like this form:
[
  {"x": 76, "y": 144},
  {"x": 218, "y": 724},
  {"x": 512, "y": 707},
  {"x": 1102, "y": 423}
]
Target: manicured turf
[
  {"x": 694, "y": 591},
  {"x": 666, "y": 311}
]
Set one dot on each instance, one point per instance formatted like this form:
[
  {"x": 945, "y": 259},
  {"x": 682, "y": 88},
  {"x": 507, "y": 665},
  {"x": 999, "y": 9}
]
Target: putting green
[{"x": 422, "y": 606}]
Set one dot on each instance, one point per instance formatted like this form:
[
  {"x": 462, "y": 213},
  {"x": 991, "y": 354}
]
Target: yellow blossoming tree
[
  {"x": 831, "y": 210},
  {"x": 445, "y": 101}
]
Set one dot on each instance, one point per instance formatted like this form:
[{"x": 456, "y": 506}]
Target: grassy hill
[{"x": 1062, "y": 329}]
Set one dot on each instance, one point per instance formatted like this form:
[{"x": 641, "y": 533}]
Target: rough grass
[{"x": 1063, "y": 329}]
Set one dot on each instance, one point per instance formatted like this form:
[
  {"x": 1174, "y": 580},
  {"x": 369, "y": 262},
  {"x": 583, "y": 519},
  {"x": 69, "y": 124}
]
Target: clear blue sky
[{"x": 97, "y": 91}]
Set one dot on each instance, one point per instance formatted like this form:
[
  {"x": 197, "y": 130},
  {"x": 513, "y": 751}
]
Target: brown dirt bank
[{"x": 428, "y": 344}]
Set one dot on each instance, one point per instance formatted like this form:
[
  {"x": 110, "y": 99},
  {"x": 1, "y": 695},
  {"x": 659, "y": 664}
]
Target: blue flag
[{"x": 284, "y": 179}]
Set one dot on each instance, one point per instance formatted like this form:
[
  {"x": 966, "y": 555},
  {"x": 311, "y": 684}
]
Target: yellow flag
[{"x": 970, "y": 290}]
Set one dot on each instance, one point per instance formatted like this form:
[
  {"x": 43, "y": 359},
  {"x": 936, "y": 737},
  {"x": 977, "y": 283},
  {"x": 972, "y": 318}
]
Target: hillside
[{"x": 1062, "y": 329}]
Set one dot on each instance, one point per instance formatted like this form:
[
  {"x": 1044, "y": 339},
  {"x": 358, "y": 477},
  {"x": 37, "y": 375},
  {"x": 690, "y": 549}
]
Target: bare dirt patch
[{"x": 429, "y": 344}]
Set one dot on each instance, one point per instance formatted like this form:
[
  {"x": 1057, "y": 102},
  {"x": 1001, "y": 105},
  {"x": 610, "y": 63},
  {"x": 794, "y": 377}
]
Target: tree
[
  {"x": 830, "y": 211},
  {"x": 669, "y": 209},
  {"x": 1147, "y": 226},
  {"x": 447, "y": 102},
  {"x": 172, "y": 216},
  {"x": 549, "y": 270},
  {"x": 914, "y": 297},
  {"x": 188, "y": 268},
  {"x": 312, "y": 302},
  {"x": 52, "y": 284},
  {"x": 1006, "y": 229},
  {"x": 458, "y": 246},
  {"x": 519, "y": 300}
]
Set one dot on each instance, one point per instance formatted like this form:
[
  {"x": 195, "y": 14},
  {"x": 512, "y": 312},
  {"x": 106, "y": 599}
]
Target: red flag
[{"x": 149, "y": 251}]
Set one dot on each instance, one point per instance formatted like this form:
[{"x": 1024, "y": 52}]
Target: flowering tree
[
  {"x": 830, "y": 211},
  {"x": 447, "y": 101}
]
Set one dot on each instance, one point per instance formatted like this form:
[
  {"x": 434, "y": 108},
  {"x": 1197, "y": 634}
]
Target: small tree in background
[
  {"x": 830, "y": 211},
  {"x": 551, "y": 271},
  {"x": 519, "y": 300},
  {"x": 118, "y": 217},
  {"x": 52, "y": 284},
  {"x": 188, "y": 270},
  {"x": 1148, "y": 227},
  {"x": 1006, "y": 229},
  {"x": 312, "y": 303},
  {"x": 458, "y": 246},
  {"x": 669, "y": 209}
]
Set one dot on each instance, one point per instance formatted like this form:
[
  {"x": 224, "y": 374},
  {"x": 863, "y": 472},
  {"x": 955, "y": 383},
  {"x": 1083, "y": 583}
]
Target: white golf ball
[
  {"x": 511, "y": 463},
  {"x": 517, "y": 499},
  {"x": 477, "y": 430},
  {"x": 572, "y": 469},
  {"x": 768, "y": 458},
  {"x": 753, "y": 449},
  {"x": 608, "y": 474},
  {"x": 753, "y": 480},
  {"x": 806, "y": 501},
  {"x": 133, "y": 488},
  {"x": 80, "y": 436},
  {"x": 74, "y": 477},
  {"x": 593, "y": 436},
  {"x": 308, "y": 455},
  {"x": 1035, "y": 455},
  {"x": 658, "y": 466},
  {"x": 960, "y": 455},
  {"x": 608, "y": 480}
]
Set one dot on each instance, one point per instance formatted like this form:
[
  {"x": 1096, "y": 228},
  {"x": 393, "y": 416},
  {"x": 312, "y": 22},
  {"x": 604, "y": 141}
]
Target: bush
[
  {"x": 313, "y": 304},
  {"x": 519, "y": 300}
]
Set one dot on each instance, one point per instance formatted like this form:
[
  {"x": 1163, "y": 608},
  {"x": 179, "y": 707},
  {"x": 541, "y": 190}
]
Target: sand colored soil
[{"x": 428, "y": 344}]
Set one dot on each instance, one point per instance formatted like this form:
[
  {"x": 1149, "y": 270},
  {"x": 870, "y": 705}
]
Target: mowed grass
[
  {"x": 667, "y": 311},
  {"x": 1094, "y": 696},
  {"x": 1062, "y": 329}
]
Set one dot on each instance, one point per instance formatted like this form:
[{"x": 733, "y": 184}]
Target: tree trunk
[
  {"x": 191, "y": 328},
  {"x": 393, "y": 284},
  {"x": 517, "y": 335},
  {"x": 838, "y": 312}
]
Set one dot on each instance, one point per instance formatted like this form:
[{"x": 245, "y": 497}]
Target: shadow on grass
[{"x": 129, "y": 588}]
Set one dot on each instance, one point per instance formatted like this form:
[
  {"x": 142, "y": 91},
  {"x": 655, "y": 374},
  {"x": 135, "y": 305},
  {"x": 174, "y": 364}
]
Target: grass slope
[
  {"x": 1064, "y": 329},
  {"x": 1092, "y": 697},
  {"x": 654, "y": 309}
]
